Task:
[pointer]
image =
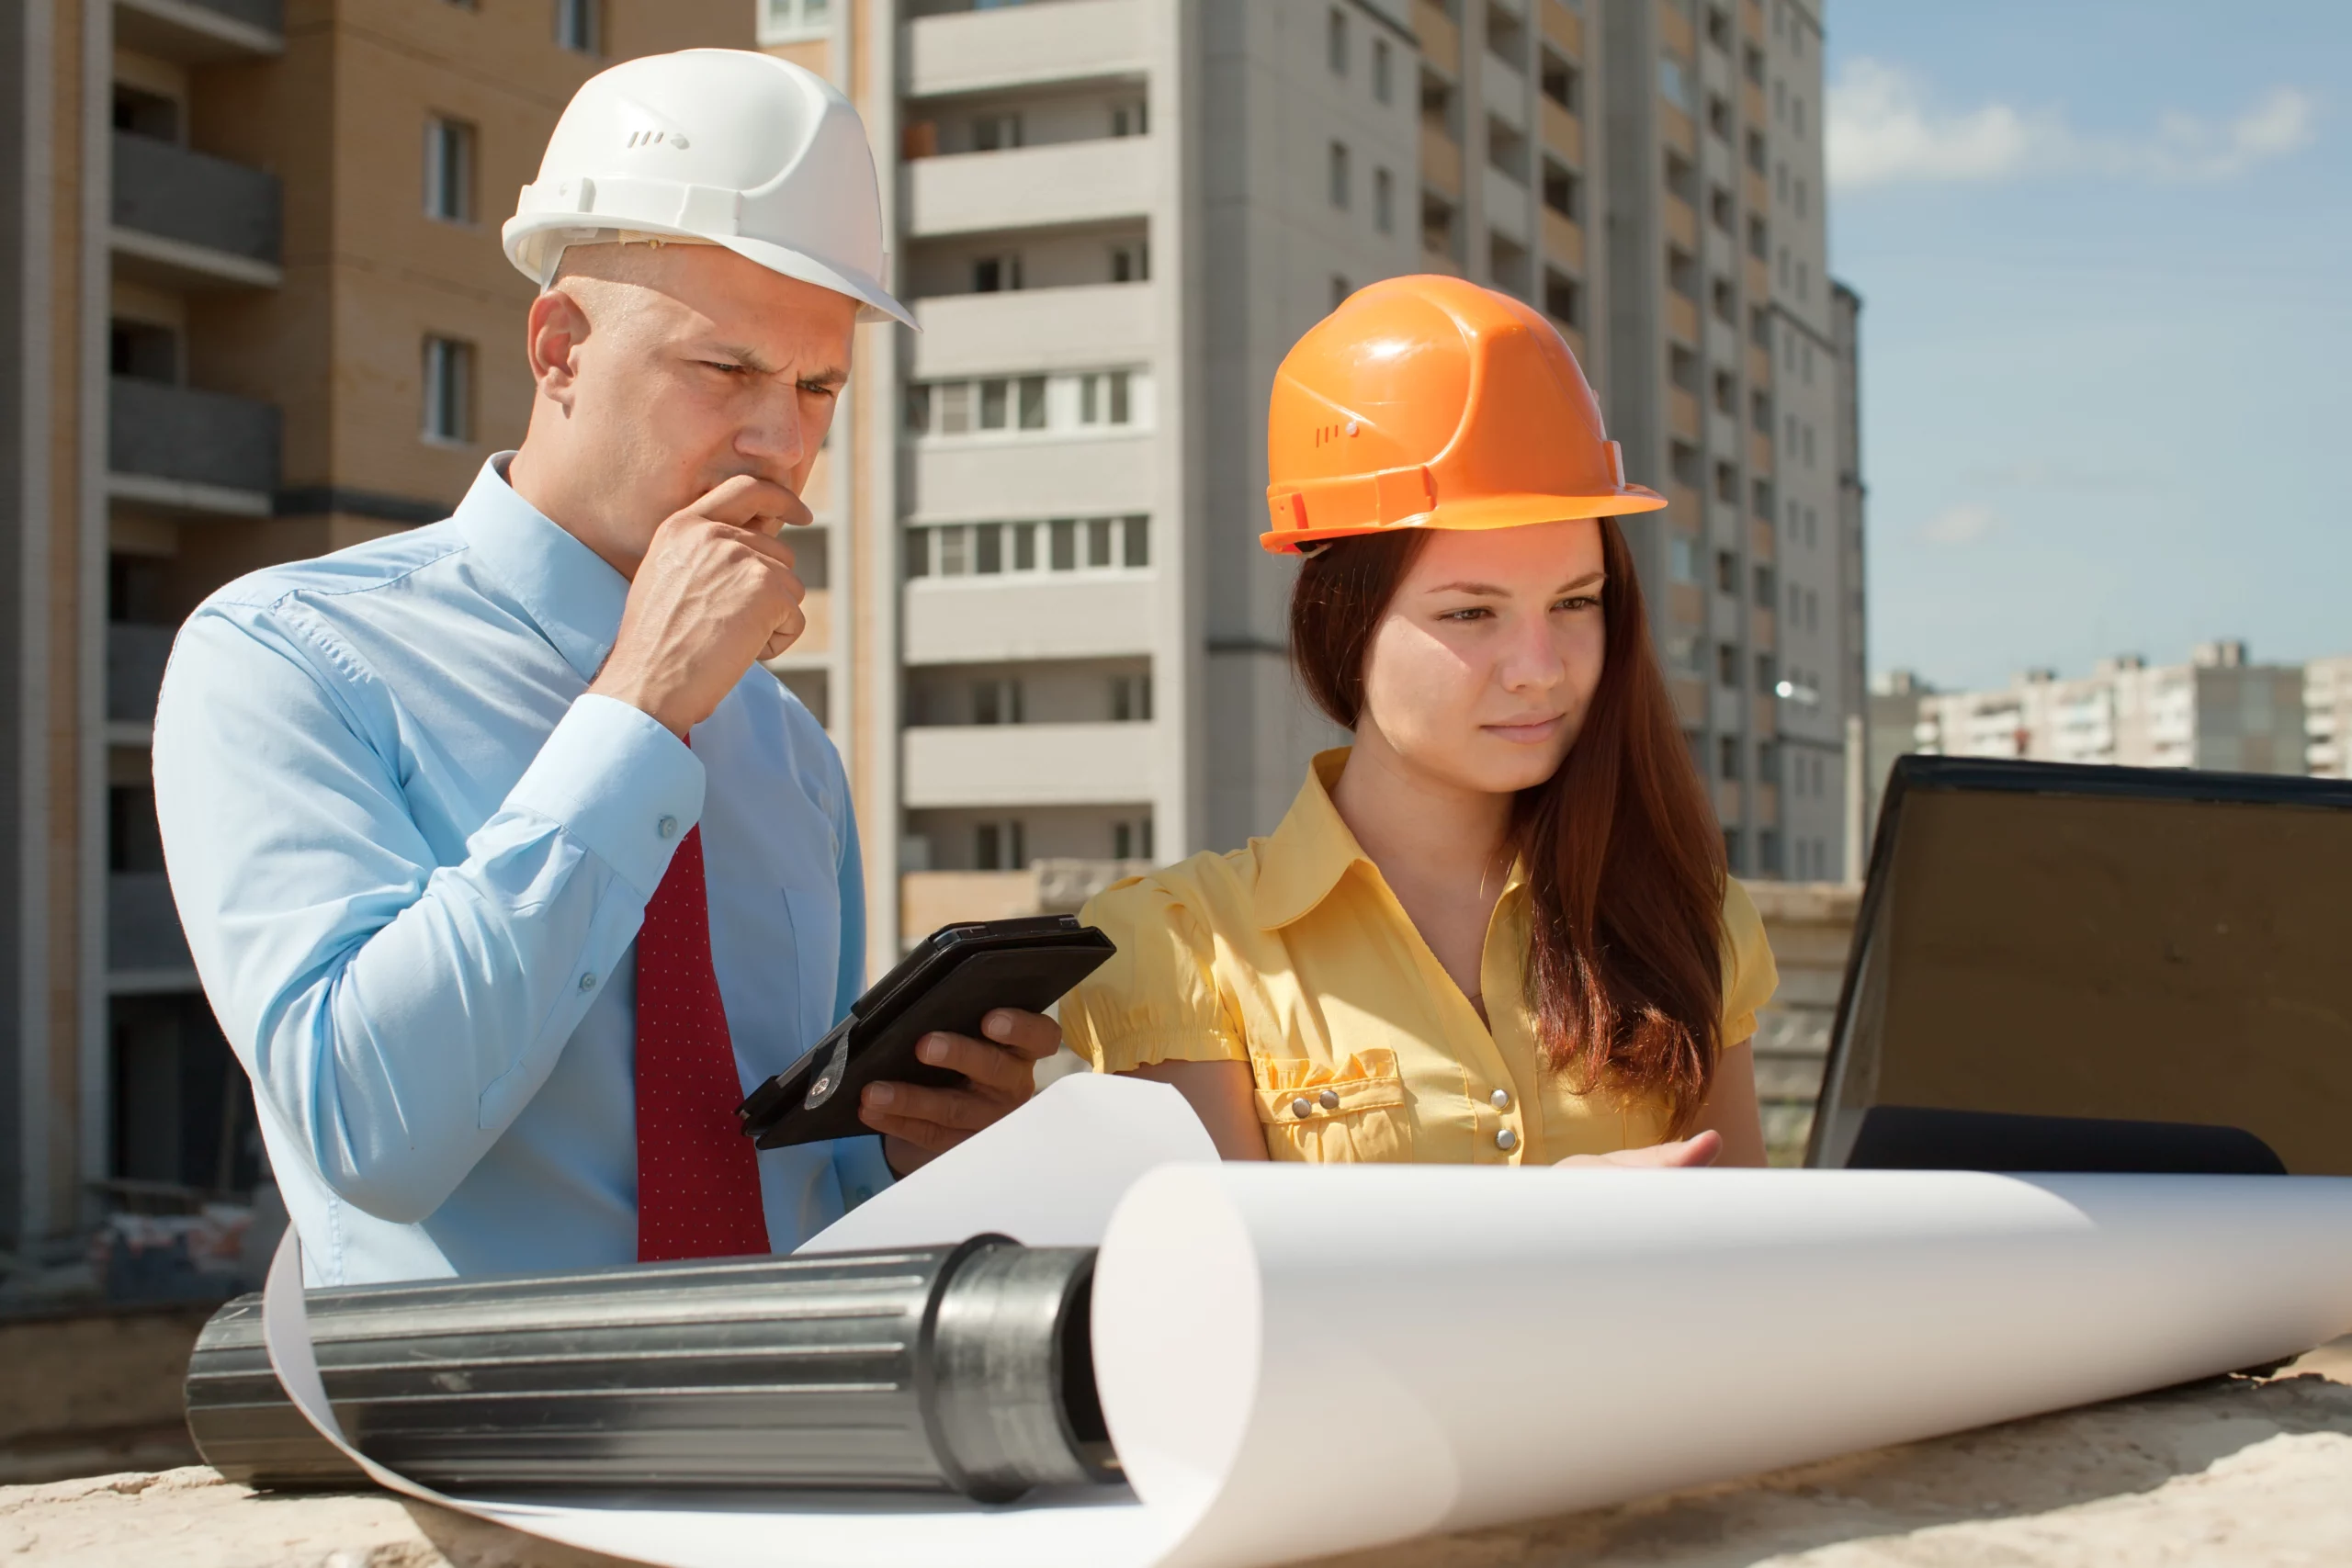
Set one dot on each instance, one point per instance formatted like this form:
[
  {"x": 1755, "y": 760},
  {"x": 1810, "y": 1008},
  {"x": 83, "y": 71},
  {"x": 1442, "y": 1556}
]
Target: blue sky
[{"x": 2105, "y": 251}]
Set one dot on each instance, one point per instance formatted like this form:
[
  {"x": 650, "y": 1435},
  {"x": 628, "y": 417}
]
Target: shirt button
[
  {"x": 1506, "y": 1140},
  {"x": 1301, "y": 1106},
  {"x": 1499, "y": 1100},
  {"x": 1330, "y": 1100},
  {"x": 667, "y": 827},
  {"x": 588, "y": 981}
]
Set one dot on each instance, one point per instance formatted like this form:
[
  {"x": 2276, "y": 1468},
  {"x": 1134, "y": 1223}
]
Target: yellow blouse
[{"x": 1293, "y": 954}]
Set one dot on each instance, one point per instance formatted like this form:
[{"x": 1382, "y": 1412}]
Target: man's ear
[{"x": 558, "y": 327}]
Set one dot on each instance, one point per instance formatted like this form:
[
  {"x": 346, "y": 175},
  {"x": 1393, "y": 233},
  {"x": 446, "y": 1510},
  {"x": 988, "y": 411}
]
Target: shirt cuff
[{"x": 618, "y": 782}]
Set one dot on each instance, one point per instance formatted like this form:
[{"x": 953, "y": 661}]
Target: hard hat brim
[
  {"x": 1508, "y": 511},
  {"x": 527, "y": 239}
]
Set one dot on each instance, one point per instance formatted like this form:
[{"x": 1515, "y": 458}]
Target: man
[{"x": 506, "y": 870}]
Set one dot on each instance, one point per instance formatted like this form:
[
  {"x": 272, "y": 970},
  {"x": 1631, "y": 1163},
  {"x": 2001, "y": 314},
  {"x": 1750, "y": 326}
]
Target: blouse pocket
[{"x": 1354, "y": 1112}]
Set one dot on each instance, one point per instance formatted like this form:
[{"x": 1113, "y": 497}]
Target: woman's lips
[{"x": 1527, "y": 732}]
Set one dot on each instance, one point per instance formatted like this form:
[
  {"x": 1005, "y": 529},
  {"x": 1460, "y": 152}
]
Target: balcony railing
[
  {"x": 201, "y": 32},
  {"x": 142, "y": 925},
  {"x": 135, "y": 659},
  {"x": 195, "y": 198},
  {"x": 197, "y": 437}
]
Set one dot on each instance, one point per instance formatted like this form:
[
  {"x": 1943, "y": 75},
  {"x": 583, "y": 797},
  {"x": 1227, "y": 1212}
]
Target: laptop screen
[{"x": 2052, "y": 939}]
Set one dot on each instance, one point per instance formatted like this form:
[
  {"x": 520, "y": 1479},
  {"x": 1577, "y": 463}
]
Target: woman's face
[{"x": 1481, "y": 670}]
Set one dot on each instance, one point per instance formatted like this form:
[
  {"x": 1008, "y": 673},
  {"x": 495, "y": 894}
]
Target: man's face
[{"x": 697, "y": 366}]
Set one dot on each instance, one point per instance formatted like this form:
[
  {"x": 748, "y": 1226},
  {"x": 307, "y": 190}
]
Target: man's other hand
[
  {"x": 917, "y": 1122},
  {"x": 715, "y": 592}
]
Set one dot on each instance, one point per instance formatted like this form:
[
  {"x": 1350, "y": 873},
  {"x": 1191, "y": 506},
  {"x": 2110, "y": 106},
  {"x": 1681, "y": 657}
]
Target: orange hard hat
[{"x": 1429, "y": 403}]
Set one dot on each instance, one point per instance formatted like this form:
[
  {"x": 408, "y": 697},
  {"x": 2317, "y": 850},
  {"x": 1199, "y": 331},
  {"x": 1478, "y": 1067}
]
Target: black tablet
[{"x": 951, "y": 979}]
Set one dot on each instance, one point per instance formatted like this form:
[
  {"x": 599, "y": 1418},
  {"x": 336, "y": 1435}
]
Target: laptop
[{"x": 2165, "y": 949}]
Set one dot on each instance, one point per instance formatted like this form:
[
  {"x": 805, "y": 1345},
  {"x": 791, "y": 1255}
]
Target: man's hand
[
  {"x": 917, "y": 1122},
  {"x": 715, "y": 590},
  {"x": 1699, "y": 1149}
]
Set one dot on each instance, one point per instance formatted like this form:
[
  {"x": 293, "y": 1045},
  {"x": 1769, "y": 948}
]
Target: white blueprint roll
[{"x": 1319, "y": 1358}]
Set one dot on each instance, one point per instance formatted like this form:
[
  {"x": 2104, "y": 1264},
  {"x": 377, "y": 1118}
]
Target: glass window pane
[
  {"x": 954, "y": 552},
  {"x": 1025, "y": 547},
  {"x": 1088, "y": 385},
  {"x": 956, "y": 407},
  {"x": 1033, "y": 402},
  {"x": 984, "y": 846},
  {"x": 992, "y": 404},
  {"x": 1118, "y": 380},
  {"x": 1098, "y": 541},
  {"x": 919, "y": 408},
  {"x": 917, "y": 552},
  {"x": 1137, "y": 531},
  {"x": 1065, "y": 547},
  {"x": 988, "y": 552}
]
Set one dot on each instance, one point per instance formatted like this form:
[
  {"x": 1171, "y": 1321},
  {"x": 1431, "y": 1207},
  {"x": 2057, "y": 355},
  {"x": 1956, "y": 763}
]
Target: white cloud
[
  {"x": 1965, "y": 524},
  {"x": 1883, "y": 130}
]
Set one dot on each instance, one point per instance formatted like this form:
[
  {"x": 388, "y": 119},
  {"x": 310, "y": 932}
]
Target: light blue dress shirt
[{"x": 412, "y": 853}]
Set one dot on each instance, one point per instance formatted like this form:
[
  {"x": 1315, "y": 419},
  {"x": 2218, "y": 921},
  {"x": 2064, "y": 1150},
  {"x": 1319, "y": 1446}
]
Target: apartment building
[
  {"x": 1113, "y": 217},
  {"x": 2328, "y": 716},
  {"x": 2219, "y": 711},
  {"x": 252, "y": 293}
]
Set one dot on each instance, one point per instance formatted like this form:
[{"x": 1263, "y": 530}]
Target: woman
[{"x": 1497, "y": 929}]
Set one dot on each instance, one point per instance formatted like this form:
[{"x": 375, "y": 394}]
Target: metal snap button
[
  {"x": 1301, "y": 1107},
  {"x": 1499, "y": 1100},
  {"x": 1329, "y": 1100},
  {"x": 1506, "y": 1139}
]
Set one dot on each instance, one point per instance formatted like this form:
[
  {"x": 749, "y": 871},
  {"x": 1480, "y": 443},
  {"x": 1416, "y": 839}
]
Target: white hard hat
[{"x": 722, "y": 145}]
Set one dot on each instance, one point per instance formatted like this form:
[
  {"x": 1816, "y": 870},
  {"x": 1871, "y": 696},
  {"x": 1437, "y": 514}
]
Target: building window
[
  {"x": 1765, "y": 598},
  {"x": 1383, "y": 201},
  {"x": 1131, "y": 264},
  {"x": 1767, "y": 851},
  {"x": 1131, "y": 699},
  {"x": 1682, "y": 558},
  {"x": 1756, "y": 158},
  {"x": 1336, "y": 41},
  {"x": 1719, "y": 208},
  {"x": 1135, "y": 542},
  {"x": 1131, "y": 841},
  {"x": 1561, "y": 83},
  {"x": 448, "y": 390},
  {"x": 1682, "y": 460},
  {"x": 996, "y": 133},
  {"x": 1726, "y": 573},
  {"x": 580, "y": 26},
  {"x": 1340, "y": 175},
  {"x": 1727, "y": 668},
  {"x": 1767, "y": 676},
  {"x": 1438, "y": 232},
  {"x": 1563, "y": 299},
  {"x": 996, "y": 702},
  {"x": 1719, "y": 28},
  {"x": 1760, "y": 239},
  {"x": 1719, "y": 116},
  {"x": 1341, "y": 289},
  {"x": 1800, "y": 196},
  {"x": 1681, "y": 272},
  {"x": 1506, "y": 36},
  {"x": 1682, "y": 177},
  {"x": 1726, "y": 395},
  {"x": 1028, "y": 549},
  {"x": 1682, "y": 368},
  {"x": 142, "y": 351},
  {"x": 1727, "y": 302},
  {"x": 997, "y": 846},
  {"x": 1025, "y": 403},
  {"x": 1751, "y": 61},
  {"x": 795, "y": 21},
  {"x": 994, "y": 274},
  {"x": 1759, "y": 412},
  {"x": 1761, "y": 500},
  {"x": 1382, "y": 69},
  {"x": 1727, "y": 484},
  {"x": 142, "y": 113},
  {"x": 448, "y": 170},
  {"x": 1727, "y": 752},
  {"x": 1563, "y": 192},
  {"x": 1674, "y": 82},
  {"x": 1130, "y": 120}
]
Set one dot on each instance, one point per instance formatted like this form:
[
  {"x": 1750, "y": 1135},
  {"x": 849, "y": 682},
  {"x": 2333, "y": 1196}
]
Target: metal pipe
[{"x": 965, "y": 1369}]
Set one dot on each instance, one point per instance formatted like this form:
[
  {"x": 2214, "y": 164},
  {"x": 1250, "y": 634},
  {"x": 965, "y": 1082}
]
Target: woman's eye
[
  {"x": 1578, "y": 602},
  {"x": 1474, "y": 613}
]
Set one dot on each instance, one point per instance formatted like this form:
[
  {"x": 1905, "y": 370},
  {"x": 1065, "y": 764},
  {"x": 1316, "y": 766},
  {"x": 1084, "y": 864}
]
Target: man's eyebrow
[{"x": 831, "y": 375}]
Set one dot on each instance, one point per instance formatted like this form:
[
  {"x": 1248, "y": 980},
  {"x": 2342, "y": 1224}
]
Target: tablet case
[{"x": 949, "y": 982}]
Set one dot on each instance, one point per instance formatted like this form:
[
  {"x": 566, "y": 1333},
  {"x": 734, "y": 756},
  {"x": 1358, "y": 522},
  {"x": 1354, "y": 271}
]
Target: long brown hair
[{"x": 1624, "y": 864}]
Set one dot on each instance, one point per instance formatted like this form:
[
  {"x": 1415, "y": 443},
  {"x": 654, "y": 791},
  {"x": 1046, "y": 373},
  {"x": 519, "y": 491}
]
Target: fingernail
[
  {"x": 933, "y": 1049},
  {"x": 880, "y": 1095},
  {"x": 997, "y": 1025}
]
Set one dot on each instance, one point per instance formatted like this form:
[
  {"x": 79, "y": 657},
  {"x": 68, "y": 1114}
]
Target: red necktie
[{"x": 698, "y": 1177}]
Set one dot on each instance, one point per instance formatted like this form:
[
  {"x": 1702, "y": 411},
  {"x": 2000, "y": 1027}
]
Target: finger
[
  {"x": 749, "y": 501},
  {"x": 927, "y": 1137},
  {"x": 1033, "y": 1034},
  {"x": 996, "y": 1067},
  {"x": 787, "y": 633},
  {"x": 957, "y": 1110},
  {"x": 774, "y": 551},
  {"x": 1701, "y": 1148}
]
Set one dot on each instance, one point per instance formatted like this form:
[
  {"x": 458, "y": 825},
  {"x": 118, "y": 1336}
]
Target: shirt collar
[
  {"x": 1310, "y": 852},
  {"x": 1314, "y": 848},
  {"x": 573, "y": 594}
]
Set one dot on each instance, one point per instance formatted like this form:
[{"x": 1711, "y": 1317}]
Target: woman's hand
[{"x": 1700, "y": 1148}]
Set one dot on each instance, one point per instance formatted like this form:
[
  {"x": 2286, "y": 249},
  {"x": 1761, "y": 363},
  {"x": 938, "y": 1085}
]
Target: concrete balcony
[
  {"x": 1440, "y": 160},
  {"x": 1562, "y": 134},
  {"x": 142, "y": 927},
  {"x": 991, "y": 620},
  {"x": 1503, "y": 90},
  {"x": 201, "y": 32},
  {"x": 1020, "y": 46},
  {"x": 955, "y": 480},
  {"x": 1036, "y": 329},
  {"x": 135, "y": 659},
  {"x": 187, "y": 449},
  {"x": 1067, "y": 183},
  {"x": 1563, "y": 242},
  {"x": 1682, "y": 319},
  {"x": 1440, "y": 36},
  {"x": 187, "y": 220},
  {"x": 1507, "y": 205},
  {"x": 1032, "y": 764},
  {"x": 1682, "y": 223},
  {"x": 1562, "y": 28}
]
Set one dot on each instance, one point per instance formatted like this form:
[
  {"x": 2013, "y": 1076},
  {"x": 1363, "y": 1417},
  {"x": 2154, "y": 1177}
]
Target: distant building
[
  {"x": 2217, "y": 711},
  {"x": 2328, "y": 716}
]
